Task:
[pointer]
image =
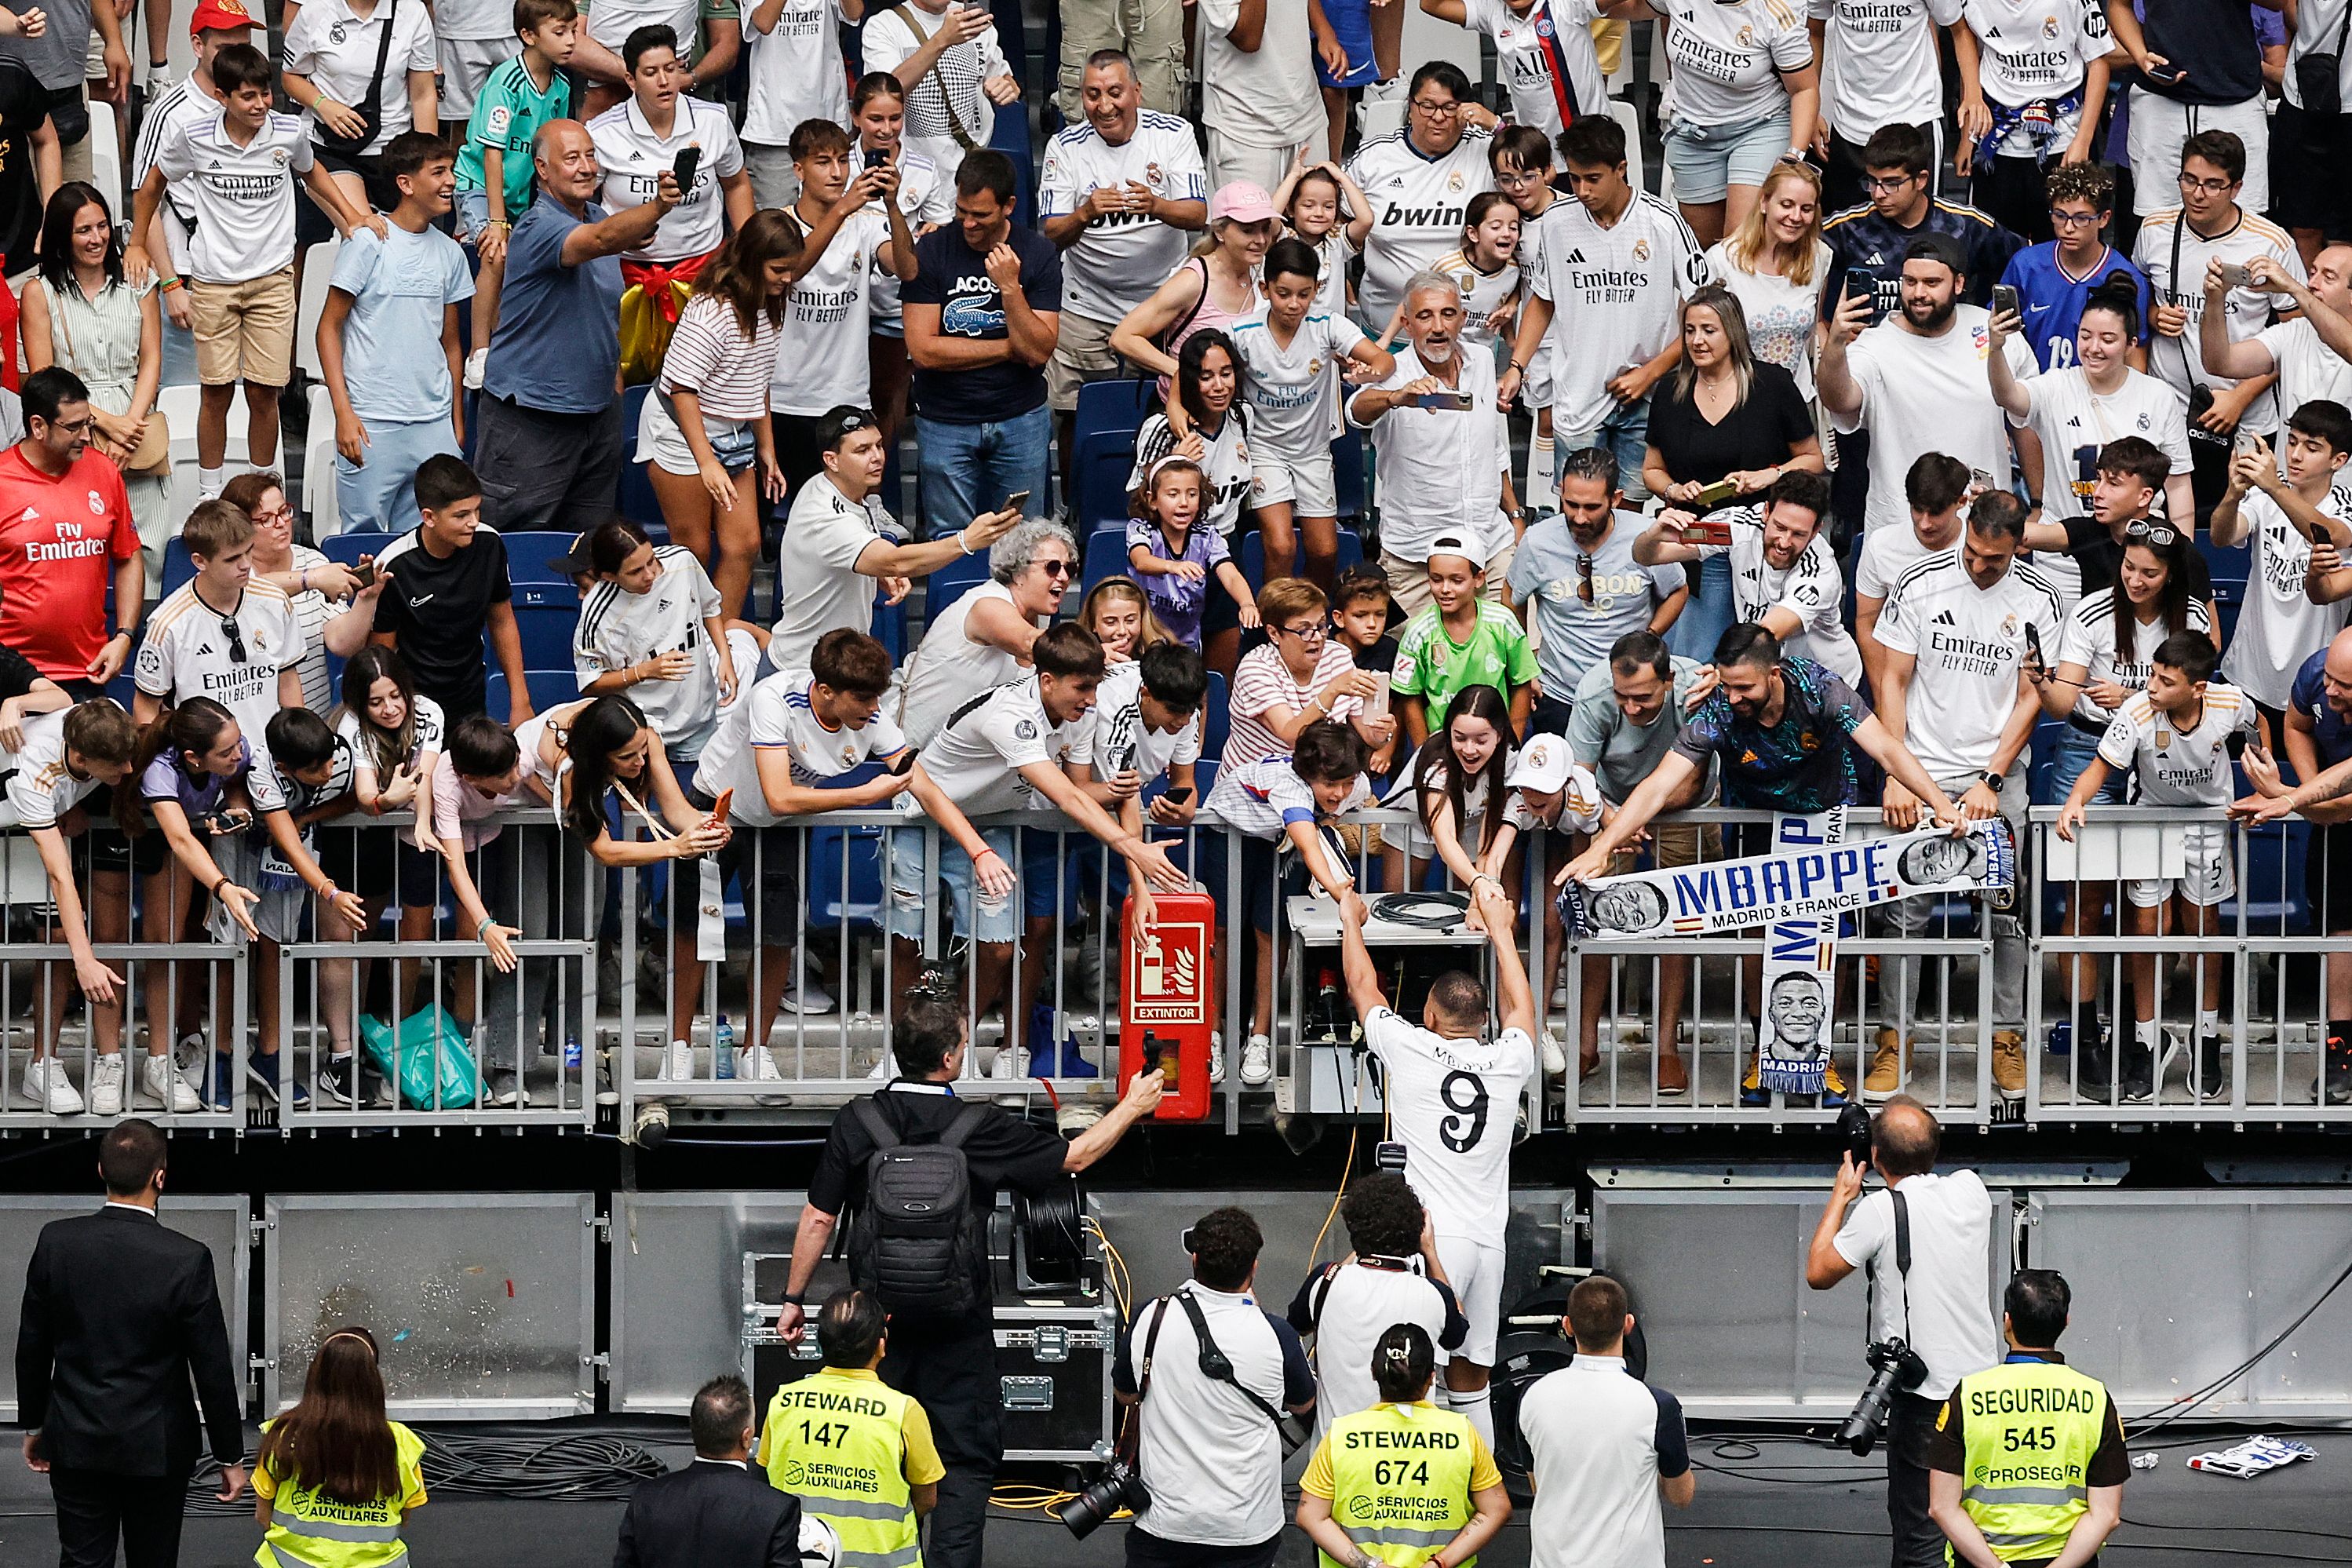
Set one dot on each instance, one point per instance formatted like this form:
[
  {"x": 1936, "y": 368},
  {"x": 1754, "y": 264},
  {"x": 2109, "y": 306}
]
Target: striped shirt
[
  {"x": 708, "y": 357},
  {"x": 1262, "y": 681},
  {"x": 312, "y": 612}
]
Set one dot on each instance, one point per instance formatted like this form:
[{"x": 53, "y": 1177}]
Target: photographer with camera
[
  {"x": 891, "y": 1156},
  {"x": 2028, "y": 1457},
  {"x": 1926, "y": 1243},
  {"x": 1208, "y": 1373},
  {"x": 1392, "y": 1274}
]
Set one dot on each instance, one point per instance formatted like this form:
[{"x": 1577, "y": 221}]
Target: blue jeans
[
  {"x": 1625, "y": 431},
  {"x": 968, "y": 470},
  {"x": 1707, "y": 613}
]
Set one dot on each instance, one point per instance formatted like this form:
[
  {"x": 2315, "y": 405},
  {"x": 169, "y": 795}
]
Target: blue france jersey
[{"x": 2052, "y": 300}]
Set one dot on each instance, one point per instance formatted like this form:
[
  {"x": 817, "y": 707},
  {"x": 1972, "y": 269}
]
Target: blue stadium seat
[
  {"x": 528, "y": 556},
  {"x": 548, "y": 687},
  {"x": 636, "y": 497},
  {"x": 546, "y": 634},
  {"x": 890, "y": 626},
  {"x": 844, "y": 878},
  {"x": 1348, "y": 476},
  {"x": 1220, "y": 724},
  {"x": 1253, "y": 559},
  {"x": 2273, "y": 897},
  {"x": 1098, "y": 471},
  {"x": 347, "y": 547},
  {"x": 178, "y": 565},
  {"x": 1010, "y": 136},
  {"x": 1112, "y": 406},
  {"x": 1106, "y": 557},
  {"x": 952, "y": 581}
]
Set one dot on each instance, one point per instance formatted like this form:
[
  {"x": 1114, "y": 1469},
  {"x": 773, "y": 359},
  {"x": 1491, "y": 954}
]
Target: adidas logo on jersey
[
  {"x": 1576, "y": 258},
  {"x": 1944, "y": 619}
]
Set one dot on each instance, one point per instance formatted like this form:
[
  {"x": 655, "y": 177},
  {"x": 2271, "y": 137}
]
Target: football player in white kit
[{"x": 1452, "y": 1095}]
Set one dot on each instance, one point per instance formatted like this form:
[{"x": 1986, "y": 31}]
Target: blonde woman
[
  {"x": 1776, "y": 264},
  {"x": 1216, "y": 285}
]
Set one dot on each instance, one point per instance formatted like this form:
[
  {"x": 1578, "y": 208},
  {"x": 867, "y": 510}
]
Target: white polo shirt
[
  {"x": 1441, "y": 470},
  {"x": 1598, "y": 1440},
  {"x": 1293, "y": 391},
  {"x": 1881, "y": 67},
  {"x": 1950, "y": 1318},
  {"x": 242, "y": 196},
  {"x": 1419, "y": 202},
  {"x": 1120, "y": 257},
  {"x": 1969, "y": 643},
  {"x": 186, "y": 653},
  {"x": 1616, "y": 296},
  {"x": 336, "y": 49},
  {"x": 977, "y": 755},
  {"x": 36, "y": 786},
  {"x": 778, "y": 715},
  {"x": 796, "y": 71},
  {"x": 1727, "y": 56},
  {"x": 632, "y": 159},
  {"x": 1124, "y": 741}
]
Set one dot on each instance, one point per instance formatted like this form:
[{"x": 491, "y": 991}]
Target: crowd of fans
[{"x": 1835, "y": 489}]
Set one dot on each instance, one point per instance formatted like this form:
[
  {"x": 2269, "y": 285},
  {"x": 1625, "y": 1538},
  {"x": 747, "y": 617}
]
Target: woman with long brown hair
[
  {"x": 337, "y": 1477},
  {"x": 706, "y": 424}
]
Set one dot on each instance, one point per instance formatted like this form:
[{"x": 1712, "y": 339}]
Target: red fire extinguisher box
[{"x": 1168, "y": 1000}]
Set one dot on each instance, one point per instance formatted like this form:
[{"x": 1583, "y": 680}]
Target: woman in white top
[
  {"x": 983, "y": 638},
  {"x": 2099, "y": 399},
  {"x": 1776, "y": 265},
  {"x": 706, "y": 422},
  {"x": 81, "y": 312},
  {"x": 1207, "y": 422},
  {"x": 331, "y": 50},
  {"x": 1458, "y": 790},
  {"x": 651, "y": 625},
  {"x": 1746, "y": 93},
  {"x": 878, "y": 110},
  {"x": 638, "y": 138},
  {"x": 394, "y": 733},
  {"x": 336, "y": 614}
]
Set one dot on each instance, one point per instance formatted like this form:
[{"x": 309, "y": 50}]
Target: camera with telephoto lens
[
  {"x": 1118, "y": 1487},
  {"x": 1895, "y": 1368},
  {"x": 1853, "y": 1133}
]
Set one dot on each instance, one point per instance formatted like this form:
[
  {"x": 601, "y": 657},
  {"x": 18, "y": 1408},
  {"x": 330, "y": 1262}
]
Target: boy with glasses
[
  {"x": 1521, "y": 158},
  {"x": 2053, "y": 280},
  {"x": 1900, "y": 203}
]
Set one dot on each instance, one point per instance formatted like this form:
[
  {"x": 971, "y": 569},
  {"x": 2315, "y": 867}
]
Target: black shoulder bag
[
  {"x": 370, "y": 113},
  {"x": 2318, "y": 75}
]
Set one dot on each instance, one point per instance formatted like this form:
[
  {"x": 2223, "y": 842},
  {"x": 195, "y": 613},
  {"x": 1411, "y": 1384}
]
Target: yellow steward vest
[
  {"x": 308, "y": 1531},
  {"x": 2029, "y": 1429},
  {"x": 1401, "y": 1481},
  {"x": 838, "y": 1444}
]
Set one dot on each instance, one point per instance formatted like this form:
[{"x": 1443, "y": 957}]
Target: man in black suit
[
  {"x": 717, "y": 1512},
  {"x": 120, "y": 1314}
]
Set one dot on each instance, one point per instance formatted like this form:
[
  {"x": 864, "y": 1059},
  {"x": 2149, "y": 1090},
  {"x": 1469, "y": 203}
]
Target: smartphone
[
  {"x": 2004, "y": 299},
  {"x": 1450, "y": 402},
  {"x": 876, "y": 157},
  {"x": 689, "y": 159},
  {"x": 1863, "y": 283},
  {"x": 2234, "y": 275},
  {"x": 364, "y": 574},
  {"x": 1703, "y": 531},
  {"x": 725, "y": 803},
  {"x": 1015, "y": 501},
  {"x": 2033, "y": 644},
  {"x": 1716, "y": 494},
  {"x": 903, "y": 765},
  {"x": 1177, "y": 795},
  {"x": 2167, "y": 75}
]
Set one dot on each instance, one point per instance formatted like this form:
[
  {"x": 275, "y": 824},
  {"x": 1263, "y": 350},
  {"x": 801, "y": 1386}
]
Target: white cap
[{"x": 1542, "y": 765}]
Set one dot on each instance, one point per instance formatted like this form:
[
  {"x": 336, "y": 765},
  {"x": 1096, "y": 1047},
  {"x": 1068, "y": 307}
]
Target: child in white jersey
[
  {"x": 1486, "y": 268},
  {"x": 1327, "y": 211},
  {"x": 2180, "y": 735}
]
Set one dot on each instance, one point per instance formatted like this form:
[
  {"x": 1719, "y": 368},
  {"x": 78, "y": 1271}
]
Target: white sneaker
[
  {"x": 106, "y": 1083},
  {"x": 758, "y": 1063},
  {"x": 677, "y": 1064},
  {"x": 810, "y": 1000},
  {"x": 1257, "y": 1061},
  {"x": 1555, "y": 1060},
  {"x": 160, "y": 1080},
  {"x": 475, "y": 364},
  {"x": 1560, "y": 994},
  {"x": 1217, "y": 1056},
  {"x": 46, "y": 1086}
]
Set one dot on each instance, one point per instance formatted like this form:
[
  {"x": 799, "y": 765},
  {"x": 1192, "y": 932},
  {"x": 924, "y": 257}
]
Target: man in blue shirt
[
  {"x": 396, "y": 405},
  {"x": 982, "y": 317},
  {"x": 550, "y": 411},
  {"x": 2053, "y": 280}
]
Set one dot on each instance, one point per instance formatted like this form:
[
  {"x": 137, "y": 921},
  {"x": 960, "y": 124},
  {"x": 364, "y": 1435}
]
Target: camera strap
[
  {"x": 1901, "y": 1266},
  {"x": 1215, "y": 1365}
]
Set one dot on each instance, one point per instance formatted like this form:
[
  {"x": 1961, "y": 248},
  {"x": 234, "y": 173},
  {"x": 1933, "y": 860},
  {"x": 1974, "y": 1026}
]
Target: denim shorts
[
  {"x": 473, "y": 214},
  {"x": 1707, "y": 160},
  {"x": 2072, "y": 753}
]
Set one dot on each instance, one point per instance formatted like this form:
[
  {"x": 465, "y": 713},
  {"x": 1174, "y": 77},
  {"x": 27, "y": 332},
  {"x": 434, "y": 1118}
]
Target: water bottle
[
  {"x": 722, "y": 1049},
  {"x": 571, "y": 1055}
]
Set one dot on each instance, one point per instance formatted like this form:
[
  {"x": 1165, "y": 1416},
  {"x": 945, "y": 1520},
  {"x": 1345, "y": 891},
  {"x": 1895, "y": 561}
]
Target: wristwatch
[{"x": 1992, "y": 780}]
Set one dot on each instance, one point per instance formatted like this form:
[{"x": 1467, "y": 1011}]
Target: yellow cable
[{"x": 1314, "y": 1253}]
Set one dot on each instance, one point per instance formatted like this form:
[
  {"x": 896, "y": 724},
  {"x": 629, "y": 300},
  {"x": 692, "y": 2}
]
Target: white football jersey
[{"x": 1453, "y": 1105}]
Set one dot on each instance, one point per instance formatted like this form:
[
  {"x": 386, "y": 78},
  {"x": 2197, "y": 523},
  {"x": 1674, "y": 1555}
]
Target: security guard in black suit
[{"x": 119, "y": 1313}]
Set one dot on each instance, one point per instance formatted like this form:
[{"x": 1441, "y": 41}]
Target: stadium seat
[
  {"x": 105, "y": 146},
  {"x": 178, "y": 565},
  {"x": 1348, "y": 475},
  {"x": 1220, "y": 724},
  {"x": 548, "y": 687},
  {"x": 1626, "y": 115},
  {"x": 528, "y": 556},
  {"x": 844, "y": 878},
  {"x": 348, "y": 548},
  {"x": 1106, "y": 557},
  {"x": 547, "y": 631},
  {"x": 1111, "y": 406},
  {"x": 318, "y": 501},
  {"x": 1253, "y": 555},
  {"x": 1010, "y": 136},
  {"x": 1098, "y": 473},
  {"x": 1379, "y": 118},
  {"x": 952, "y": 581},
  {"x": 2274, "y": 897},
  {"x": 890, "y": 627},
  {"x": 318, "y": 270}
]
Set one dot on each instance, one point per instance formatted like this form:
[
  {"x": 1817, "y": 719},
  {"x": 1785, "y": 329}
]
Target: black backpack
[{"x": 917, "y": 1244}]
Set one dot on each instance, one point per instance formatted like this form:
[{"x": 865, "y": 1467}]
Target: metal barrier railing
[{"x": 610, "y": 959}]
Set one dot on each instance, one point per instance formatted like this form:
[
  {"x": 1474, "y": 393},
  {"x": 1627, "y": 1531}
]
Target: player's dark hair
[
  {"x": 853, "y": 662},
  {"x": 297, "y": 738},
  {"x": 1937, "y": 481},
  {"x": 1224, "y": 1245},
  {"x": 2191, "y": 653},
  {"x": 1748, "y": 643},
  {"x": 1594, "y": 140},
  {"x": 1289, "y": 258},
  {"x": 1383, "y": 1216},
  {"x": 1327, "y": 751},
  {"x": 443, "y": 480},
  {"x": 1175, "y": 675},
  {"x": 2038, "y": 1301},
  {"x": 1460, "y": 998}
]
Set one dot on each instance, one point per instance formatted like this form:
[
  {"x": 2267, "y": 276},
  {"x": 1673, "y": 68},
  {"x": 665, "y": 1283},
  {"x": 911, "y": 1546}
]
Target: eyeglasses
[
  {"x": 1308, "y": 634},
  {"x": 235, "y": 639},
  {"x": 2210, "y": 187},
  {"x": 1518, "y": 181},
  {"x": 2142, "y": 530},
  {"x": 282, "y": 512},
  {"x": 1584, "y": 577},
  {"x": 1434, "y": 110},
  {"x": 1052, "y": 566},
  {"x": 1878, "y": 187},
  {"x": 81, "y": 427},
  {"x": 2062, "y": 219}
]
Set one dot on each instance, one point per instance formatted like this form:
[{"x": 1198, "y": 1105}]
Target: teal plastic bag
[{"x": 428, "y": 1046}]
